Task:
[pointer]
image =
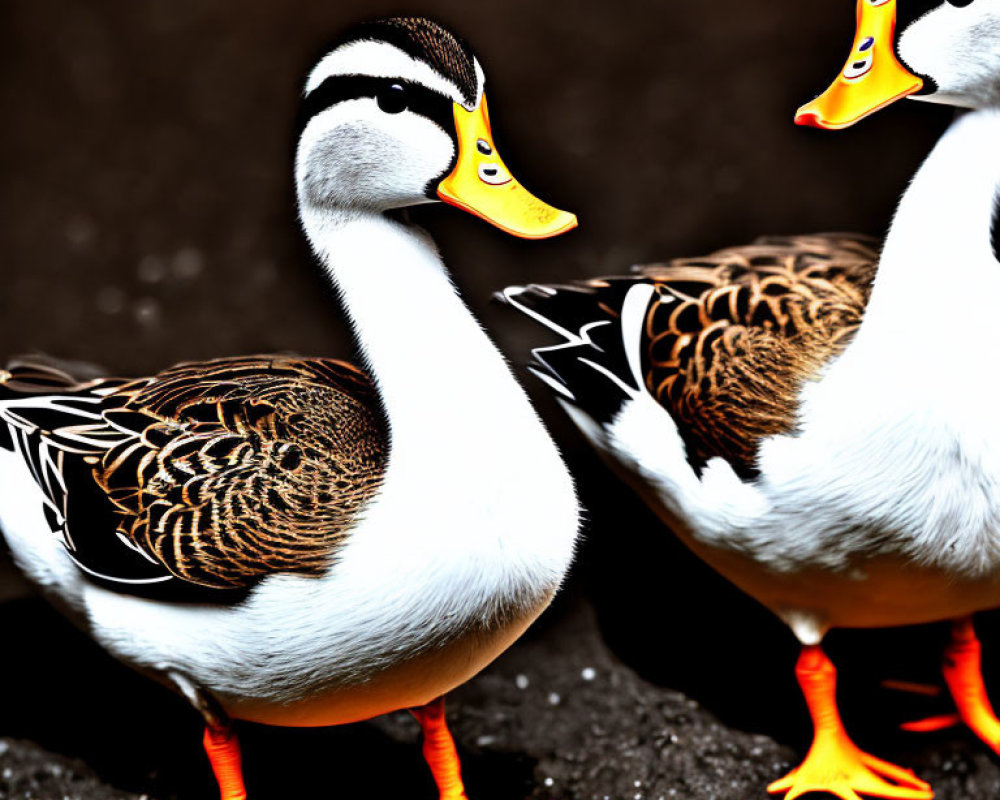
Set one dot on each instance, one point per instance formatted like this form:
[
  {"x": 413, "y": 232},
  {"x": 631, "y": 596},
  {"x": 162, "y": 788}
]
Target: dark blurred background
[{"x": 146, "y": 216}]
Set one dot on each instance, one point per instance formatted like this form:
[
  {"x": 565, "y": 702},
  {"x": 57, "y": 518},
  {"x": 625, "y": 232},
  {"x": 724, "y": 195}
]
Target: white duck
[
  {"x": 817, "y": 422},
  {"x": 283, "y": 539}
]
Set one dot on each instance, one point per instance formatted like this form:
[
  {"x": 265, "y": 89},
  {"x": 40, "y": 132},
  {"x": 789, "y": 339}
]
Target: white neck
[
  {"x": 444, "y": 385},
  {"x": 471, "y": 468},
  {"x": 938, "y": 255},
  {"x": 921, "y": 351}
]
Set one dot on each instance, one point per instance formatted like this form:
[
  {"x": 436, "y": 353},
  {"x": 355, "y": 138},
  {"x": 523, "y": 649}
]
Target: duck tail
[
  {"x": 596, "y": 367},
  {"x": 41, "y": 374},
  {"x": 35, "y": 378}
]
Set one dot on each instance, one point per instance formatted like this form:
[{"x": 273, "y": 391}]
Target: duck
[
  {"x": 788, "y": 410},
  {"x": 298, "y": 541}
]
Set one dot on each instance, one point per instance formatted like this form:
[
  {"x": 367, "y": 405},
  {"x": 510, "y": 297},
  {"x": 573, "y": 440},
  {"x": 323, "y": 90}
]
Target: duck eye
[
  {"x": 960, "y": 3},
  {"x": 392, "y": 99}
]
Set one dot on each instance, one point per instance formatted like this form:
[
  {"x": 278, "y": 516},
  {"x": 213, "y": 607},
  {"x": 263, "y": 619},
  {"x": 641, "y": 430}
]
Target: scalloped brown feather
[
  {"x": 240, "y": 468},
  {"x": 738, "y": 333}
]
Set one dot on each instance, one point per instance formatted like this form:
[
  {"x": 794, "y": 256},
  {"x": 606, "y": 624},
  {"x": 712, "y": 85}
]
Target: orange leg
[
  {"x": 223, "y": 750},
  {"x": 834, "y": 763},
  {"x": 963, "y": 673},
  {"x": 439, "y": 750}
]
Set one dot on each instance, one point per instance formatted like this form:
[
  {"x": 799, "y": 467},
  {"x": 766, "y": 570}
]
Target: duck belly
[
  {"x": 884, "y": 591},
  {"x": 324, "y": 651},
  {"x": 853, "y": 591},
  {"x": 871, "y": 517},
  {"x": 899, "y": 526},
  {"x": 406, "y": 683}
]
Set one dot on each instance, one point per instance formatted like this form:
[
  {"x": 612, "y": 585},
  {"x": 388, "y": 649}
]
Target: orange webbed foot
[
  {"x": 834, "y": 764},
  {"x": 845, "y": 771}
]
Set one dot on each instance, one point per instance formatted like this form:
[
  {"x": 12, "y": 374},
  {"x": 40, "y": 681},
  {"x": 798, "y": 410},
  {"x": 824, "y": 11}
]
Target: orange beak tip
[
  {"x": 807, "y": 118},
  {"x": 564, "y": 222},
  {"x": 571, "y": 223},
  {"x": 556, "y": 228}
]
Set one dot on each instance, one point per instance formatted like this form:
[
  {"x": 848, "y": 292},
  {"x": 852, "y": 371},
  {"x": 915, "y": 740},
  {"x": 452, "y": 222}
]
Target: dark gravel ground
[
  {"x": 146, "y": 217},
  {"x": 27, "y": 772},
  {"x": 556, "y": 718}
]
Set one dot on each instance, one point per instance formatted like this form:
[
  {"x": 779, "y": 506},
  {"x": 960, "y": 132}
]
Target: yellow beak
[
  {"x": 873, "y": 77},
  {"x": 482, "y": 185}
]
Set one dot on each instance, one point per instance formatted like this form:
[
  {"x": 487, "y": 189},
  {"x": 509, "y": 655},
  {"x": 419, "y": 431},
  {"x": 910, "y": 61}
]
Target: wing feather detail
[
  {"x": 733, "y": 337},
  {"x": 217, "y": 473},
  {"x": 727, "y": 341}
]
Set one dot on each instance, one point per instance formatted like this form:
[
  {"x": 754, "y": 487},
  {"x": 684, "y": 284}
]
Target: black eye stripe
[{"x": 339, "y": 88}]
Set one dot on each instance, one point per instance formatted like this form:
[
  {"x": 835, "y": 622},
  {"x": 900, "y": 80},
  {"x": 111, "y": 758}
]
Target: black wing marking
[
  {"x": 59, "y": 438},
  {"x": 592, "y": 367}
]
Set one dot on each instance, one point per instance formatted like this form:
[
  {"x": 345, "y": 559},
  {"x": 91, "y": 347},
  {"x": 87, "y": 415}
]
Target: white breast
[{"x": 902, "y": 436}]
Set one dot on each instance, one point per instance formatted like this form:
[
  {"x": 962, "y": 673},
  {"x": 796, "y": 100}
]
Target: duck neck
[
  {"x": 940, "y": 250},
  {"x": 436, "y": 371}
]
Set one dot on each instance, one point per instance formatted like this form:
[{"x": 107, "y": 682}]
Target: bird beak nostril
[{"x": 493, "y": 174}]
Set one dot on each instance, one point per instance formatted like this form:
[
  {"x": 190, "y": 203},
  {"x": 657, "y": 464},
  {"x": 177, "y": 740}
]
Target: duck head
[
  {"x": 945, "y": 52},
  {"x": 394, "y": 115}
]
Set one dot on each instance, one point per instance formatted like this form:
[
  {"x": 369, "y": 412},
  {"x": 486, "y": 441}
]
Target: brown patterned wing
[
  {"x": 241, "y": 468},
  {"x": 217, "y": 473},
  {"x": 731, "y": 338}
]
